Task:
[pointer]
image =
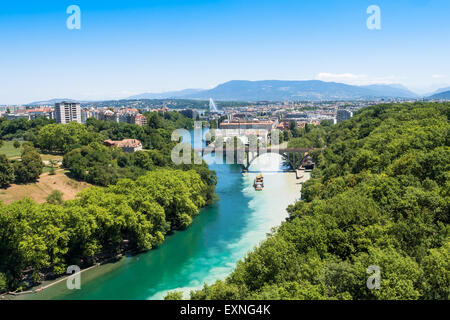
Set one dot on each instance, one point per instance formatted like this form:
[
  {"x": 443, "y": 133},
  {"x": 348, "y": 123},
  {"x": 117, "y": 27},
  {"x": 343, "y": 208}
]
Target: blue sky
[{"x": 129, "y": 47}]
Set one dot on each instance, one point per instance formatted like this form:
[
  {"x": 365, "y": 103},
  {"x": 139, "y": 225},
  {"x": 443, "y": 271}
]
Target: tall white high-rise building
[
  {"x": 343, "y": 115},
  {"x": 66, "y": 112}
]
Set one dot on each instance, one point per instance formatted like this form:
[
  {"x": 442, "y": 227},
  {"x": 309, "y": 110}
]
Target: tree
[
  {"x": 65, "y": 137},
  {"x": 378, "y": 197},
  {"x": 16, "y": 144},
  {"x": 48, "y": 237},
  {"x": 27, "y": 144},
  {"x": 53, "y": 164},
  {"x": 134, "y": 210},
  {"x": 154, "y": 120},
  {"x": 6, "y": 172},
  {"x": 436, "y": 278},
  {"x": 3, "y": 283},
  {"x": 55, "y": 197},
  {"x": 29, "y": 168},
  {"x": 287, "y": 135},
  {"x": 174, "y": 295}
]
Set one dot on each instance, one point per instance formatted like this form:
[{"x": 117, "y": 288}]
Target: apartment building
[
  {"x": 343, "y": 115},
  {"x": 66, "y": 112}
]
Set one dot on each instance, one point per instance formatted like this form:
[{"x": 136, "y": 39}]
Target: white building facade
[
  {"x": 343, "y": 115},
  {"x": 66, "y": 112}
]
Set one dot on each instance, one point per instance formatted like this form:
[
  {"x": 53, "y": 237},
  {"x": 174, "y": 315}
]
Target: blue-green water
[{"x": 208, "y": 250}]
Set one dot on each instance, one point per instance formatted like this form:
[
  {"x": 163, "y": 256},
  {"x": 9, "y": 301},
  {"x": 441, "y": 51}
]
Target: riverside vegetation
[
  {"x": 138, "y": 200},
  {"x": 379, "y": 195}
]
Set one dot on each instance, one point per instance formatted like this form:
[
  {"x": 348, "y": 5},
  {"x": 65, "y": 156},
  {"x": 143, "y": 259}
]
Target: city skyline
[{"x": 141, "y": 46}]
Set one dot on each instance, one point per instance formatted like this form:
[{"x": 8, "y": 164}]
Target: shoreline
[
  {"x": 112, "y": 262},
  {"x": 96, "y": 271},
  {"x": 46, "y": 284},
  {"x": 41, "y": 287}
]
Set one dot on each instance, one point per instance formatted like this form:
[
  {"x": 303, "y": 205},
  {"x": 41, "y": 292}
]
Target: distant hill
[
  {"x": 275, "y": 90},
  {"x": 440, "y": 96},
  {"x": 440, "y": 90},
  {"x": 279, "y": 90},
  {"x": 298, "y": 90},
  {"x": 51, "y": 102},
  {"x": 393, "y": 90},
  {"x": 166, "y": 95}
]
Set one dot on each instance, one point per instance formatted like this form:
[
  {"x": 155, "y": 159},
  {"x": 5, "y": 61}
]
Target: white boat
[{"x": 258, "y": 184}]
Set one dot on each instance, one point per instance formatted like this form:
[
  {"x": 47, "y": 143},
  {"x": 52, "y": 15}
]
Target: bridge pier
[{"x": 242, "y": 156}]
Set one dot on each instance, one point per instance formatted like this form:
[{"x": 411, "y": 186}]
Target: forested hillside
[
  {"x": 140, "y": 197},
  {"x": 379, "y": 196},
  {"x": 88, "y": 159},
  {"x": 137, "y": 215}
]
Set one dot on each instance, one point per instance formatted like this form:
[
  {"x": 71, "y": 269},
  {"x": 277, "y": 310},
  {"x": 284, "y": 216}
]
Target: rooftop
[{"x": 126, "y": 143}]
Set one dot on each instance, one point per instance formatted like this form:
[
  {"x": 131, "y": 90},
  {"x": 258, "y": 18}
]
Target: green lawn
[
  {"x": 9, "y": 150},
  {"x": 46, "y": 169},
  {"x": 13, "y": 153}
]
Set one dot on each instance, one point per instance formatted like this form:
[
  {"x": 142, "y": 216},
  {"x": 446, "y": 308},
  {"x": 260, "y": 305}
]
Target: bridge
[{"x": 297, "y": 158}]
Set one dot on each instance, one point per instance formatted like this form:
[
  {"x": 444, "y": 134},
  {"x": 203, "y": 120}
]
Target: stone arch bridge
[{"x": 297, "y": 158}]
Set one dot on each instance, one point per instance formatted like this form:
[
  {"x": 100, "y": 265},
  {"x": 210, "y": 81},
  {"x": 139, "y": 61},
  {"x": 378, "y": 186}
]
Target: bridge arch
[
  {"x": 295, "y": 157},
  {"x": 261, "y": 159}
]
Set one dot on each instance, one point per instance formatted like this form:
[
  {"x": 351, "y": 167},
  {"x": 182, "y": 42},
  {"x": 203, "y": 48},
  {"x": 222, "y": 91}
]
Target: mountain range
[
  {"x": 52, "y": 101},
  {"x": 166, "y": 95},
  {"x": 278, "y": 90},
  {"x": 440, "y": 91},
  {"x": 442, "y": 95}
]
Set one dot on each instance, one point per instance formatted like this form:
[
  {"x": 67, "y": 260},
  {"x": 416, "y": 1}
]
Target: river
[{"x": 208, "y": 250}]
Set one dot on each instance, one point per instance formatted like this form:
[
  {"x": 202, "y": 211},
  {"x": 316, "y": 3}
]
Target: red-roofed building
[
  {"x": 127, "y": 145},
  {"x": 140, "y": 120}
]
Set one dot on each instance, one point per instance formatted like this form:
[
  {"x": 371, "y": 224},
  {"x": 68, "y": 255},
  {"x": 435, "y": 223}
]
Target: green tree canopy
[{"x": 379, "y": 196}]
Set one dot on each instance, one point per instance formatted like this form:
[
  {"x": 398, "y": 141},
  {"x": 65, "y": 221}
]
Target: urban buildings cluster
[
  {"x": 21, "y": 112},
  {"x": 260, "y": 119},
  {"x": 65, "y": 112},
  {"x": 257, "y": 116},
  {"x": 281, "y": 115}
]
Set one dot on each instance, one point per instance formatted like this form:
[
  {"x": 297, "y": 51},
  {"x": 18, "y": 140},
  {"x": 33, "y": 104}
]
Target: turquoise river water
[{"x": 208, "y": 250}]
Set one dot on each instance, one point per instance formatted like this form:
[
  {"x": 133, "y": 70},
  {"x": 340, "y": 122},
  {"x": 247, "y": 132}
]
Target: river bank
[{"x": 207, "y": 251}]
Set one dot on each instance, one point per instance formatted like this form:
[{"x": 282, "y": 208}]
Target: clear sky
[{"x": 129, "y": 47}]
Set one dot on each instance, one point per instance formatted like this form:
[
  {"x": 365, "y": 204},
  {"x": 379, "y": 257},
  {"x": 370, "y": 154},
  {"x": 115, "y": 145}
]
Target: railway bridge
[{"x": 297, "y": 158}]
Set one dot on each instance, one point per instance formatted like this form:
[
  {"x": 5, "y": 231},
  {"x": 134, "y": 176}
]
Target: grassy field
[
  {"x": 9, "y": 150},
  {"x": 13, "y": 153},
  {"x": 46, "y": 184},
  {"x": 39, "y": 191}
]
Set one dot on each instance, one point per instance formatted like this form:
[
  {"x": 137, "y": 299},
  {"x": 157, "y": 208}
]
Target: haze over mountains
[
  {"x": 53, "y": 101},
  {"x": 445, "y": 95},
  {"x": 279, "y": 90},
  {"x": 165, "y": 95},
  {"x": 441, "y": 90}
]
